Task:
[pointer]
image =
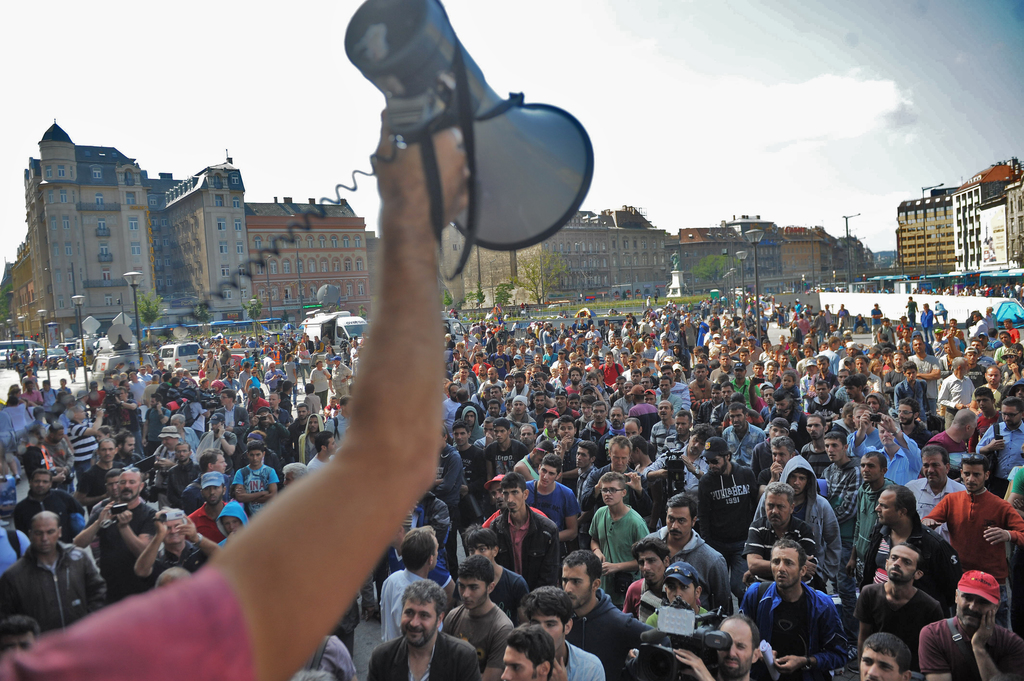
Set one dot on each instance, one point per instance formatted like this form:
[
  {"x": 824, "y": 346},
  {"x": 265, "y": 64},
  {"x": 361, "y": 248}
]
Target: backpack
[{"x": 12, "y": 539}]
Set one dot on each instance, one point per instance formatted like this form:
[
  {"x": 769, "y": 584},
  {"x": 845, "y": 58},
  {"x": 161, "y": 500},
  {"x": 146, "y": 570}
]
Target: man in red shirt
[
  {"x": 205, "y": 517},
  {"x": 611, "y": 370},
  {"x": 980, "y": 524}
]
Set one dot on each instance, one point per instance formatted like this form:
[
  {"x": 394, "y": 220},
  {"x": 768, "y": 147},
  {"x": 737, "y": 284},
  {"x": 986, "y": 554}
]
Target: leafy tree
[
  {"x": 539, "y": 272},
  {"x": 5, "y": 300},
  {"x": 202, "y": 313},
  {"x": 713, "y": 267},
  {"x": 254, "y": 308},
  {"x": 150, "y": 309},
  {"x": 503, "y": 293},
  {"x": 478, "y": 295},
  {"x": 446, "y": 298}
]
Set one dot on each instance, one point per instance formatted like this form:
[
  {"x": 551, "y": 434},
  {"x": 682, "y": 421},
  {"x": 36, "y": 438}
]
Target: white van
[
  {"x": 186, "y": 353},
  {"x": 336, "y": 328}
]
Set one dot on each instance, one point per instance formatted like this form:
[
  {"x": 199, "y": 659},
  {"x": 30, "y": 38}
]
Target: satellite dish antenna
[
  {"x": 328, "y": 295},
  {"x": 180, "y": 332},
  {"x": 120, "y": 336},
  {"x": 90, "y": 325}
]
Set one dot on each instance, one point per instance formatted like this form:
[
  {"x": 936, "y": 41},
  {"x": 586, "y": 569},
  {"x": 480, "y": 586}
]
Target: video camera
[
  {"x": 675, "y": 480},
  {"x": 686, "y": 630}
]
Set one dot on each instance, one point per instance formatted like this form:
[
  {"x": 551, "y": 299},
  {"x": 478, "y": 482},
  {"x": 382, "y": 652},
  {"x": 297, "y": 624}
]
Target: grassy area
[{"x": 599, "y": 308}]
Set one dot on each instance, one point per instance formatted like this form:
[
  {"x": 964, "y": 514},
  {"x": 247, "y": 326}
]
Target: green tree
[
  {"x": 478, "y": 295},
  {"x": 539, "y": 272},
  {"x": 446, "y": 298},
  {"x": 254, "y": 308},
  {"x": 5, "y": 300},
  {"x": 202, "y": 313},
  {"x": 712, "y": 267},
  {"x": 503, "y": 293},
  {"x": 151, "y": 309}
]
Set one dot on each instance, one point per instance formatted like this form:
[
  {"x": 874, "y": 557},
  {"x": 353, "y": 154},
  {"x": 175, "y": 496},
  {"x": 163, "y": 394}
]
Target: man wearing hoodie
[
  {"x": 598, "y": 627},
  {"x": 448, "y": 486},
  {"x": 727, "y": 497},
  {"x": 232, "y": 518},
  {"x": 814, "y": 510},
  {"x": 686, "y": 545}
]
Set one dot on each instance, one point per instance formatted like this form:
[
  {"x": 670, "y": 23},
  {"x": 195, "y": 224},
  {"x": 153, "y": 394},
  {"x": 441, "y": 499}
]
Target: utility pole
[{"x": 849, "y": 253}]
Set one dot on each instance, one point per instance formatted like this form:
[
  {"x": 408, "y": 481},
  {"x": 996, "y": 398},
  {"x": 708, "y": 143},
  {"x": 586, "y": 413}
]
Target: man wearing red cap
[{"x": 971, "y": 645}]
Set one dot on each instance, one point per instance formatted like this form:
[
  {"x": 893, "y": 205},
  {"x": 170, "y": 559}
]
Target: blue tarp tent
[{"x": 1011, "y": 310}]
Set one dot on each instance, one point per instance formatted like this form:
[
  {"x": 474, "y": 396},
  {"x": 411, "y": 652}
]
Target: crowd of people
[{"x": 820, "y": 503}]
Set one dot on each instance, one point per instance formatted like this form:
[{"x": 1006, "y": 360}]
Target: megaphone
[{"x": 530, "y": 164}]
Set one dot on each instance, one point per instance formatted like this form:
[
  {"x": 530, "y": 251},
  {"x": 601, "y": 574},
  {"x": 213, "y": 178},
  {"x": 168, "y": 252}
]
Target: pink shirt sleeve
[{"x": 192, "y": 629}]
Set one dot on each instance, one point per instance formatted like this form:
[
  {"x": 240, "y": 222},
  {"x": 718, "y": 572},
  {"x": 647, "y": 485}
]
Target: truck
[{"x": 339, "y": 329}]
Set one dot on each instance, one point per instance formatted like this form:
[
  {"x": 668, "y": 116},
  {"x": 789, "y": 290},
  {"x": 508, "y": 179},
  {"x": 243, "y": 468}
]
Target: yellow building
[
  {"x": 924, "y": 237},
  {"x": 23, "y": 299}
]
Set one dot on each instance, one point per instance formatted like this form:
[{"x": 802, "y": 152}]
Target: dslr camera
[
  {"x": 675, "y": 481},
  {"x": 686, "y": 630}
]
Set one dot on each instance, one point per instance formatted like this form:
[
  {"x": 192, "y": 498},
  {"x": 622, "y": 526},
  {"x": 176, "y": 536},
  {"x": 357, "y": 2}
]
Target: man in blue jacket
[
  {"x": 801, "y": 624},
  {"x": 598, "y": 627}
]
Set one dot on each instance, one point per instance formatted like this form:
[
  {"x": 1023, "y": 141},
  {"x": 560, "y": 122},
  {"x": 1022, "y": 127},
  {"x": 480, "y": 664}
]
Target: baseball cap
[
  {"x": 739, "y": 366},
  {"x": 262, "y": 410},
  {"x": 715, "y": 447},
  {"x": 517, "y": 357},
  {"x": 336, "y": 358},
  {"x": 496, "y": 480},
  {"x": 636, "y": 390},
  {"x": 560, "y": 392},
  {"x": 978, "y": 583},
  {"x": 217, "y": 418},
  {"x": 211, "y": 479},
  {"x": 552, "y": 412},
  {"x": 682, "y": 572}
]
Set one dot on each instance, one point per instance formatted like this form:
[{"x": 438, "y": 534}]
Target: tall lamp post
[
  {"x": 79, "y": 300},
  {"x": 255, "y": 327},
  {"x": 742, "y": 255},
  {"x": 753, "y": 237},
  {"x": 849, "y": 254},
  {"x": 46, "y": 343},
  {"x": 21, "y": 322},
  {"x": 134, "y": 279}
]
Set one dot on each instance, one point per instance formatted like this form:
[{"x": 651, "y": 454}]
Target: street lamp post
[
  {"x": 21, "y": 323},
  {"x": 255, "y": 328},
  {"x": 298, "y": 271},
  {"x": 46, "y": 344},
  {"x": 753, "y": 237},
  {"x": 134, "y": 279},
  {"x": 849, "y": 254},
  {"x": 79, "y": 300}
]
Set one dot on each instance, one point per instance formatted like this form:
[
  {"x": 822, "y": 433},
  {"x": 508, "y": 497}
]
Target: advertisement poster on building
[{"x": 993, "y": 236}]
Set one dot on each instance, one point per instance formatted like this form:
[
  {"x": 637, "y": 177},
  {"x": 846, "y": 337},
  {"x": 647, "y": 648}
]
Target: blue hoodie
[
  {"x": 235, "y": 510},
  {"x": 608, "y": 633}
]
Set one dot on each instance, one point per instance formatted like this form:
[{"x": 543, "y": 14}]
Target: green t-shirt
[
  {"x": 1018, "y": 481},
  {"x": 616, "y": 539}
]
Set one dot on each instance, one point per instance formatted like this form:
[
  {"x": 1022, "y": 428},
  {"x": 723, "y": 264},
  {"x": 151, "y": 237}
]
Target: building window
[
  {"x": 49, "y": 172},
  {"x": 344, "y": 241},
  {"x": 223, "y": 247},
  {"x": 129, "y": 198},
  {"x": 133, "y": 224},
  {"x": 348, "y": 265},
  {"x": 359, "y": 240},
  {"x": 273, "y": 270},
  {"x": 222, "y": 225},
  {"x": 108, "y": 300},
  {"x": 68, "y": 248},
  {"x": 165, "y": 241},
  {"x": 335, "y": 265},
  {"x": 235, "y": 203},
  {"x": 348, "y": 289},
  {"x": 234, "y": 178},
  {"x": 56, "y": 250},
  {"x": 225, "y": 272},
  {"x": 216, "y": 182},
  {"x": 53, "y": 222},
  {"x": 257, "y": 243},
  {"x": 66, "y": 222},
  {"x": 136, "y": 248},
  {"x": 163, "y": 222},
  {"x": 49, "y": 196},
  {"x": 106, "y": 274},
  {"x": 309, "y": 242},
  {"x": 170, "y": 281},
  {"x": 273, "y": 293},
  {"x": 359, "y": 264},
  {"x": 218, "y": 200},
  {"x": 312, "y": 266},
  {"x": 227, "y": 294},
  {"x": 152, "y": 201},
  {"x": 362, "y": 290},
  {"x": 60, "y": 171},
  {"x": 298, "y": 265},
  {"x": 287, "y": 266},
  {"x": 238, "y": 225},
  {"x": 259, "y": 268},
  {"x": 334, "y": 241},
  {"x": 167, "y": 261},
  {"x": 99, "y": 199},
  {"x": 60, "y": 300},
  {"x": 240, "y": 248},
  {"x": 323, "y": 265}
]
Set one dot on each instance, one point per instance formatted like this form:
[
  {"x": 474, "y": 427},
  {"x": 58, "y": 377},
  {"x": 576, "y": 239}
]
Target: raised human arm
[
  {"x": 144, "y": 563},
  {"x": 284, "y": 635}
]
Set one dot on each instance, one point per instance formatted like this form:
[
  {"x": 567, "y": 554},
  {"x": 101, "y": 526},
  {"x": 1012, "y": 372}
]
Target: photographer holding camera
[
  {"x": 734, "y": 662},
  {"x": 880, "y": 431}
]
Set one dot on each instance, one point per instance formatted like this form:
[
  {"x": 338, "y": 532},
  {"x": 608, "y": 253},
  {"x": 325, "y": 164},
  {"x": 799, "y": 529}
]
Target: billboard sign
[{"x": 993, "y": 237}]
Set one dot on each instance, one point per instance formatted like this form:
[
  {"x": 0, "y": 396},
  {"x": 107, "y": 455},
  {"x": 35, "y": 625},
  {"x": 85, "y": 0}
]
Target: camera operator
[
  {"x": 176, "y": 543},
  {"x": 735, "y": 663}
]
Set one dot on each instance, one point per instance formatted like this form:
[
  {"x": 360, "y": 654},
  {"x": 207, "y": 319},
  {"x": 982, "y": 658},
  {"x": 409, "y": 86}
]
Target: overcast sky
[{"x": 698, "y": 111}]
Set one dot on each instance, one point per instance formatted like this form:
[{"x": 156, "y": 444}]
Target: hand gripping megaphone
[{"x": 530, "y": 164}]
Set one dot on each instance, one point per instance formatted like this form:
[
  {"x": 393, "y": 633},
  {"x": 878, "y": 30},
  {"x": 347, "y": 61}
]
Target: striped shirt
[{"x": 85, "y": 446}]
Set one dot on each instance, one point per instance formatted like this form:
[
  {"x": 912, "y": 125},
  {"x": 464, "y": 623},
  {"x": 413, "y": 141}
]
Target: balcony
[
  {"x": 103, "y": 231},
  {"x": 106, "y": 257},
  {"x": 104, "y": 283},
  {"x": 105, "y": 206}
]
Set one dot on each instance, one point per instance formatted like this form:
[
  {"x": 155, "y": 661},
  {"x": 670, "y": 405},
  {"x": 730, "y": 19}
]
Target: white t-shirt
[{"x": 316, "y": 464}]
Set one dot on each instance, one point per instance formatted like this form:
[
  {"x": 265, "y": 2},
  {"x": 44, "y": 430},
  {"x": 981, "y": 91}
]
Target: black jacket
[
  {"x": 55, "y": 600},
  {"x": 453, "y": 660},
  {"x": 939, "y": 562},
  {"x": 541, "y": 550},
  {"x": 178, "y": 478}
]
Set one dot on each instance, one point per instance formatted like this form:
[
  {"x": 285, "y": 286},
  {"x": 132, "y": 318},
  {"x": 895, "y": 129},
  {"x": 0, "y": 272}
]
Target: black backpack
[{"x": 12, "y": 539}]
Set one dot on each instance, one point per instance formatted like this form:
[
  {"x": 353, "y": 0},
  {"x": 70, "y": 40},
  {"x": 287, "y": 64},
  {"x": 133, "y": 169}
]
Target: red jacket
[{"x": 967, "y": 515}]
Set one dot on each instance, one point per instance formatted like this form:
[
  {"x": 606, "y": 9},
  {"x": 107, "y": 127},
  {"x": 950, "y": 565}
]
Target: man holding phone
[{"x": 176, "y": 543}]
